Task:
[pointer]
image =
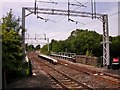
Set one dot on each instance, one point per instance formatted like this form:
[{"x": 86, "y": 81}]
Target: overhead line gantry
[{"x": 102, "y": 17}]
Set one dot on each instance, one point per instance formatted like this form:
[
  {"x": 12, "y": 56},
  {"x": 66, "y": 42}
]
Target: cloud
[
  {"x": 56, "y": 0},
  {"x": 17, "y": 0},
  {"x": 61, "y": 28}
]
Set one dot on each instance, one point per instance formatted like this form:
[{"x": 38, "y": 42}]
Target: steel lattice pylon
[{"x": 106, "y": 52}]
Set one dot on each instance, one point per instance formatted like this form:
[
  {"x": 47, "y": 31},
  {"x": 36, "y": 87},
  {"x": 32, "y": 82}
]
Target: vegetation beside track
[
  {"x": 85, "y": 42},
  {"x": 12, "y": 57}
]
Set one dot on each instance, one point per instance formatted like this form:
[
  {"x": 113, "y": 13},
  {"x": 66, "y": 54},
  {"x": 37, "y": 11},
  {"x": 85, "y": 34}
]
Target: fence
[{"x": 86, "y": 60}]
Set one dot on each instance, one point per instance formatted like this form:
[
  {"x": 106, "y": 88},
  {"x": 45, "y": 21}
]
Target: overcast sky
[{"x": 58, "y": 27}]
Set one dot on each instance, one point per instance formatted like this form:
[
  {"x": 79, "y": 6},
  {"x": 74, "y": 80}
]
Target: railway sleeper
[
  {"x": 71, "y": 84},
  {"x": 61, "y": 77},
  {"x": 65, "y": 80},
  {"x": 74, "y": 87},
  {"x": 64, "y": 75},
  {"x": 71, "y": 79}
]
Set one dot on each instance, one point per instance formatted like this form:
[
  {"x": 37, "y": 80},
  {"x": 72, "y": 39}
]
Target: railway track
[
  {"x": 112, "y": 82},
  {"x": 111, "y": 79},
  {"x": 64, "y": 80}
]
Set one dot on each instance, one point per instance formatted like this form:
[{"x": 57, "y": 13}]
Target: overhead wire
[
  {"x": 81, "y": 25},
  {"x": 58, "y": 19},
  {"x": 47, "y": 19},
  {"x": 64, "y": 18},
  {"x": 33, "y": 40},
  {"x": 62, "y": 32},
  {"x": 95, "y": 20},
  {"x": 85, "y": 24},
  {"x": 59, "y": 22}
]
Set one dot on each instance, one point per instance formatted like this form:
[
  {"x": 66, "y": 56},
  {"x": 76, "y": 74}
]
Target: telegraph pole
[
  {"x": 23, "y": 39},
  {"x": 23, "y": 32}
]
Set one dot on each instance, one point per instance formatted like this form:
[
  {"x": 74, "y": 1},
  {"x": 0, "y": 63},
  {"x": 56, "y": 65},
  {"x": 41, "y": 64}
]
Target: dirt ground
[{"x": 39, "y": 81}]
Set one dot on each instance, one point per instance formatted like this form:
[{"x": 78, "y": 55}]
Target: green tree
[
  {"x": 115, "y": 46},
  {"x": 44, "y": 49},
  {"x": 37, "y": 47},
  {"x": 11, "y": 47},
  {"x": 85, "y": 42},
  {"x": 30, "y": 47}
]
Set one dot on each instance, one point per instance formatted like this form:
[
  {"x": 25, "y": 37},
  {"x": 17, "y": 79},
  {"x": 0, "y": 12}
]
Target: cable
[
  {"x": 48, "y": 15},
  {"x": 84, "y": 25},
  {"x": 57, "y": 23},
  {"x": 61, "y": 20},
  {"x": 64, "y": 18},
  {"x": 96, "y": 19}
]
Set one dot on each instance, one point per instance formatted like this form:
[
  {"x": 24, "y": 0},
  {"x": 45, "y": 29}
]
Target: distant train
[{"x": 51, "y": 60}]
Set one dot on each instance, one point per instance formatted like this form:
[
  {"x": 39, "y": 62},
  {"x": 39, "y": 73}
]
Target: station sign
[{"x": 115, "y": 61}]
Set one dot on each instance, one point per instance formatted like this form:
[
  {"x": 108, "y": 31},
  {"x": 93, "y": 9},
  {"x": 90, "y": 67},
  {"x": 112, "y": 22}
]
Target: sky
[{"x": 58, "y": 27}]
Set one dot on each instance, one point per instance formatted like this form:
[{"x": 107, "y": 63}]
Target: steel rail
[
  {"x": 61, "y": 83},
  {"x": 92, "y": 72}
]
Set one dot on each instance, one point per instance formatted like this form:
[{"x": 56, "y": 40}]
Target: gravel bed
[
  {"x": 114, "y": 72},
  {"x": 82, "y": 77}
]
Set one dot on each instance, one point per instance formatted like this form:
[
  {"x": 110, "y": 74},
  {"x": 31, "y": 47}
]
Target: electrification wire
[
  {"x": 97, "y": 19},
  {"x": 83, "y": 25},
  {"x": 61, "y": 19},
  {"x": 55, "y": 3},
  {"x": 59, "y": 22},
  {"x": 48, "y": 16},
  {"x": 33, "y": 40}
]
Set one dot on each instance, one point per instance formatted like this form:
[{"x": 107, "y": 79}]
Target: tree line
[
  {"x": 32, "y": 47},
  {"x": 84, "y": 42}
]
